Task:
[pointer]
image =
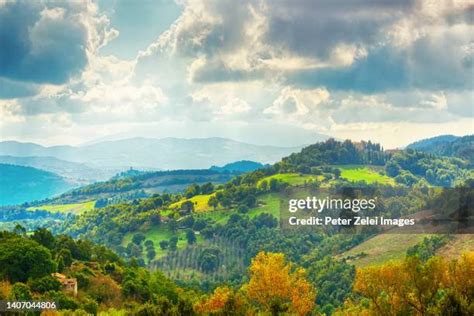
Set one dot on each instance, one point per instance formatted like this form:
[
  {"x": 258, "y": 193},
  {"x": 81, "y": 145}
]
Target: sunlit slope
[
  {"x": 291, "y": 178},
  {"x": 201, "y": 202},
  {"x": 76, "y": 208},
  {"x": 382, "y": 248},
  {"x": 363, "y": 173}
]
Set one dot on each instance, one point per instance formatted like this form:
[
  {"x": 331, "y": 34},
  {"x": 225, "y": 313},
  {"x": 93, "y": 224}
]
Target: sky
[{"x": 264, "y": 72}]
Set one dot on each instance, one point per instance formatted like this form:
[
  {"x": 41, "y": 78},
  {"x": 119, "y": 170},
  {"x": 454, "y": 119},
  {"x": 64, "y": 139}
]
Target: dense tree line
[
  {"x": 410, "y": 166},
  {"x": 461, "y": 147},
  {"x": 150, "y": 179},
  {"x": 335, "y": 153}
]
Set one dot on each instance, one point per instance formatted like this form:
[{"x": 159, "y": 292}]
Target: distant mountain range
[
  {"x": 448, "y": 145},
  {"x": 19, "y": 184},
  {"x": 150, "y": 153}
]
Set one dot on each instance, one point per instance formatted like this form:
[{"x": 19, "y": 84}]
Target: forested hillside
[
  {"x": 19, "y": 184},
  {"x": 461, "y": 147},
  {"x": 131, "y": 185},
  {"x": 239, "y": 166},
  {"x": 74, "y": 171}
]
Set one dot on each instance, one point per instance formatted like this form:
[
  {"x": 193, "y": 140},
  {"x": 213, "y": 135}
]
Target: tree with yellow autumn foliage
[
  {"x": 277, "y": 287},
  {"x": 224, "y": 301},
  {"x": 414, "y": 287}
]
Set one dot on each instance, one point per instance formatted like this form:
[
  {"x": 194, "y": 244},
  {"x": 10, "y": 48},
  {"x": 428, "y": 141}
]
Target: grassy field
[
  {"x": 382, "y": 248},
  {"x": 76, "y": 208},
  {"x": 291, "y": 178},
  {"x": 269, "y": 203},
  {"x": 200, "y": 202},
  {"x": 385, "y": 247},
  {"x": 157, "y": 234},
  {"x": 460, "y": 243},
  {"x": 364, "y": 173}
]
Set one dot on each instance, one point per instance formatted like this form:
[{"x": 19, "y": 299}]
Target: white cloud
[
  {"x": 316, "y": 65},
  {"x": 297, "y": 103},
  {"x": 50, "y": 42}
]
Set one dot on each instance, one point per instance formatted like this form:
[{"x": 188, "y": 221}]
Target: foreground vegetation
[{"x": 419, "y": 284}]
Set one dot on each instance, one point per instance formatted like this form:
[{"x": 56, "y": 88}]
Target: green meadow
[
  {"x": 364, "y": 173},
  {"x": 201, "y": 202},
  {"x": 159, "y": 233},
  {"x": 76, "y": 208},
  {"x": 292, "y": 178}
]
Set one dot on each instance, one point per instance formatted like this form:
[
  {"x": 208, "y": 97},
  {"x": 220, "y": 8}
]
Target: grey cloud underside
[
  {"x": 37, "y": 48},
  {"x": 10, "y": 89},
  {"x": 388, "y": 68},
  {"x": 315, "y": 28},
  {"x": 382, "y": 70}
]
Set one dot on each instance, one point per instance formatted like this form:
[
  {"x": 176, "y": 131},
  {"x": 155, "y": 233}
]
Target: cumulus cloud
[
  {"x": 297, "y": 102},
  {"x": 316, "y": 65},
  {"x": 315, "y": 28},
  {"x": 49, "y": 42},
  {"x": 366, "y": 46}
]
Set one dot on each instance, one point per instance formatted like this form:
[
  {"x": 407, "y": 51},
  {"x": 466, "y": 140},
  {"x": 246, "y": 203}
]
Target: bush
[
  {"x": 21, "y": 292},
  {"x": 45, "y": 284}
]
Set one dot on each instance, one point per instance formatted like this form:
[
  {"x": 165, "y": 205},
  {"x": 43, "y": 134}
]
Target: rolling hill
[
  {"x": 239, "y": 166},
  {"x": 19, "y": 184},
  {"x": 143, "y": 184},
  {"x": 66, "y": 169},
  {"x": 385, "y": 247},
  {"x": 426, "y": 144},
  {"x": 448, "y": 145}
]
